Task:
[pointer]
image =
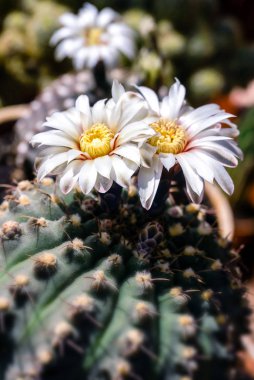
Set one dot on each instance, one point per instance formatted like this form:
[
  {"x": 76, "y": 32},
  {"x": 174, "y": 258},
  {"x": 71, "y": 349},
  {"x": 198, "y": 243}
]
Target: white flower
[
  {"x": 94, "y": 146},
  {"x": 193, "y": 138},
  {"x": 91, "y": 36}
]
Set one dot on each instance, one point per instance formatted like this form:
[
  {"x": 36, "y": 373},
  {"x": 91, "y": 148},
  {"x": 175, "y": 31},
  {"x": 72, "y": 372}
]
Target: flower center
[
  {"x": 171, "y": 138},
  {"x": 96, "y": 140},
  {"x": 93, "y": 36}
]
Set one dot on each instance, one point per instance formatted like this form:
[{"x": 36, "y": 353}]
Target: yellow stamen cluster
[
  {"x": 96, "y": 140},
  {"x": 171, "y": 137},
  {"x": 93, "y": 36}
]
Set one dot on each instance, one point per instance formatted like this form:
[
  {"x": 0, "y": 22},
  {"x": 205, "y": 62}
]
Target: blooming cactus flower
[
  {"x": 192, "y": 138},
  {"x": 94, "y": 146},
  {"x": 91, "y": 36}
]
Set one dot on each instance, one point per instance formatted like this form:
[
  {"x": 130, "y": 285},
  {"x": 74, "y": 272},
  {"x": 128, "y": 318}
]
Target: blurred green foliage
[
  {"x": 189, "y": 39},
  {"x": 246, "y": 139},
  {"x": 26, "y": 61}
]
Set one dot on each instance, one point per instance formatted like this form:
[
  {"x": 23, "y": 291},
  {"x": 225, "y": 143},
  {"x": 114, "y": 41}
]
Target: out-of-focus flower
[
  {"x": 206, "y": 83},
  {"x": 141, "y": 21},
  {"x": 94, "y": 146},
  {"x": 243, "y": 98},
  {"x": 192, "y": 138},
  {"x": 92, "y": 36}
]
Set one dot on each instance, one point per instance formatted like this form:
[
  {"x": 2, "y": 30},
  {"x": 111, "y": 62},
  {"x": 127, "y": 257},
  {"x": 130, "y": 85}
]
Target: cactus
[{"x": 88, "y": 294}]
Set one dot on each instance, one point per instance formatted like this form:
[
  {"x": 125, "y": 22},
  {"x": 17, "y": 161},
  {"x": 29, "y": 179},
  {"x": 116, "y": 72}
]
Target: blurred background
[{"x": 207, "y": 44}]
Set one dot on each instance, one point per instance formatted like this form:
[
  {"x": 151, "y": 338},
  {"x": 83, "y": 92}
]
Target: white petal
[
  {"x": 199, "y": 165},
  {"x": 148, "y": 182},
  {"x": 109, "y": 55},
  {"x": 106, "y": 16},
  {"x": 72, "y": 154},
  {"x": 203, "y": 140},
  {"x": 60, "y": 34},
  {"x": 87, "y": 15},
  {"x": 103, "y": 184},
  {"x": 123, "y": 170},
  {"x": 147, "y": 153},
  {"x": 50, "y": 164},
  {"x": 135, "y": 132},
  {"x": 117, "y": 90},
  {"x": 87, "y": 176},
  {"x": 54, "y": 138},
  {"x": 80, "y": 58},
  {"x": 219, "y": 153},
  {"x": 48, "y": 152},
  {"x": 68, "y": 47},
  {"x": 82, "y": 104},
  {"x": 70, "y": 177},
  {"x": 208, "y": 122},
  {"x": 176, "y": 98},
  {"x": 151, "y": 98},
  {"x": 219, "y": 172},
  {"x": 168, "y": 160},
  {"x": 113, "y": 112},
  {"x": 68, "y": 121},
  {"x": 68, "y": 19},
  {"x": 120, "y": 29},
  {"x": 93, "y": 56},
  {"x": 232, "y": 146},
  {"x": 213, "y": 131},
  {"x": 132, "y": 112},
  {"x": 134, "y": 104},
  {"x": 198, "y": 114},
  {"x": 231, "y": 131},
  {"x": 125, "y": 45},
  {"x": 129, "y": 151},
  {"x": 191, "y": 177},
  {"x": 98, "y": 112},
  {"x": 223, "y": 179},
  {"x": 103, "y": 166},
  {"x": 192, "y": 195}
]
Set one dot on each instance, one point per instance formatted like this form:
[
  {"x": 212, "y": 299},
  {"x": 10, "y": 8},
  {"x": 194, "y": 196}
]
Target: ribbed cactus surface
[{"x": 87, "y": 294}]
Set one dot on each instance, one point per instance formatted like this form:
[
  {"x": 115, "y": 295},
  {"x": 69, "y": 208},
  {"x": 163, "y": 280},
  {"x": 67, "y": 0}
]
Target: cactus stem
[{"x": 100, "y": 76}]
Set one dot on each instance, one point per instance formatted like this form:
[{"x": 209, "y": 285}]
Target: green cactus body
[{"x": 88, "y": 295}]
